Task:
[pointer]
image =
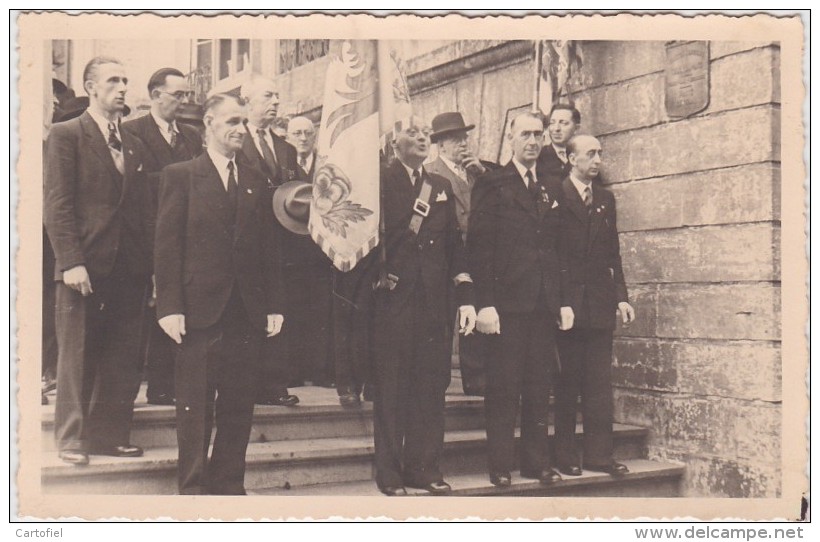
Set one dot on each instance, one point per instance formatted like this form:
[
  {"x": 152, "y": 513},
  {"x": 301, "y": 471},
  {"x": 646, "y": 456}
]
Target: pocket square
[
  {"x": 554, "y": 204},
  {"x": 442, "y": 196},
  {"x": 139, "y": 167}
]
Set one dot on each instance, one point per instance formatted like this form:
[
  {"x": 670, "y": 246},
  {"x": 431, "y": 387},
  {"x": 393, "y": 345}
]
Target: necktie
[
  {"x": 588, "y": 197},
  {"x": 416, "y": 177},
  {"x": 267, "y": 152},
  {"x": 114, "y": 141},
  {"x": 232, "y": 186},
  {"x": 303, "y": 163},
  {"x": 562, "y": 155},
  {"x": 531, "y": 184},
  {"x": 172, "y": 129},
  {"x": 461, "y": 172}
]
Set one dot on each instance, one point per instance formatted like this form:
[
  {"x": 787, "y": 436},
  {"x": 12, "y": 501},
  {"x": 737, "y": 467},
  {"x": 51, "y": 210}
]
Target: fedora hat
[
  {"x": 448, "y": 123},
  {"x": 291, "y": 205}
]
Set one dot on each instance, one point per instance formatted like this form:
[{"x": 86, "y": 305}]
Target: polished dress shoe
[
  {"x": 125, "y": 450},
  {"x": 282, "y": 400},
  {"x": 613, "y": 469},
  {"x": 501, "y": 479},
  {"x": 392, "y": 491},
  {"x": 546, "y": 477},
  {"x": 570, "y": 470},
  {"x": 162, "y": 399},
  {"x": 435, "y": 488},
  {"x": 349, "y": 400},
  {"x": 74, "y": 457}
]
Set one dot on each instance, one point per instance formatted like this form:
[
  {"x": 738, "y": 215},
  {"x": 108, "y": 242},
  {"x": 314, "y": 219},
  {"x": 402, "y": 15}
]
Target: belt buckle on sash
[{"x": 421, "y": 207}]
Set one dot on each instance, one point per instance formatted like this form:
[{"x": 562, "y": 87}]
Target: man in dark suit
[
  {"x": 592, "y": 284},
  {"x": 308, "y": 281},
  {"x": 457, "y": 164},
  {"x": 167, "y": 142},
  {"x": 513, "y": 261},
  {"x": 94, "y": 213},
  {"x": 422, "y": 259},
  {"x": 276, "y": 158},
  {"x": 216, "y": 274},
  {"x": 562, "y": 123}
]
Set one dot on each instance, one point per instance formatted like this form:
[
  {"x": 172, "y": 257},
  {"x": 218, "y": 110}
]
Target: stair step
[
  {"x": 645, "y": 479},
  {"x": 301, "y": 462},
  {"x": 317, "y": 416}
]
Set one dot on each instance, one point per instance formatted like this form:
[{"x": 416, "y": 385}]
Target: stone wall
[{"x": 698, "y": 205}]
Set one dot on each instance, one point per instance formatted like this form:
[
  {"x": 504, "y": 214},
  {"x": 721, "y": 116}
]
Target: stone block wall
[{"x": 699, "y": 214}]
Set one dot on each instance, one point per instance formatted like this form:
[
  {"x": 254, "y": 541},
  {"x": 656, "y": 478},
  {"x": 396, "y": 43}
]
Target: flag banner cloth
[
  {"x": 556, "y": 62},
  {"x": 357, "y": 109}
]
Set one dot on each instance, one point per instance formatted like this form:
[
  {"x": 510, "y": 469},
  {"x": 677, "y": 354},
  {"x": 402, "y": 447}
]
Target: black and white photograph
[{"x": 534, "y": 261}]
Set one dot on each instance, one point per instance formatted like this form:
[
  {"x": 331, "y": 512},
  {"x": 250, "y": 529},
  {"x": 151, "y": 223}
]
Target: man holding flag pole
[{"x": 421, "y": 254}]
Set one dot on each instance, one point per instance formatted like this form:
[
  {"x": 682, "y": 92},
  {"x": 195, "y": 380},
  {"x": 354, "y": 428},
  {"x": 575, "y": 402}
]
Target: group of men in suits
[{"x": 526, "y": 254}]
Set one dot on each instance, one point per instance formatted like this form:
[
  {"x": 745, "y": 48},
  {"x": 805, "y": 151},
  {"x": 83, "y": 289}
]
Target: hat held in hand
[{"x": 291, "y": 205}]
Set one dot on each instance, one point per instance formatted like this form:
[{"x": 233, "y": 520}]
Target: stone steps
[
  {"x": 646, "y": 479},
  {"x": 281, "y": 464}
]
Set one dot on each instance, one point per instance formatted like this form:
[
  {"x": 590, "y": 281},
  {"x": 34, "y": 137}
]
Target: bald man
[
  {"x": 274, "y": 157},
  {"x": 302, "y": 135},
  {"x": 593, "y": 286},
  {"x": 308, "y": 279}
]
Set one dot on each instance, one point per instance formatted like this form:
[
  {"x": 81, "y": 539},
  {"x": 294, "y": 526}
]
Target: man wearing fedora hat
[
  {"x": 461, "y": 167},
  {"x": 167, "y": 142}
]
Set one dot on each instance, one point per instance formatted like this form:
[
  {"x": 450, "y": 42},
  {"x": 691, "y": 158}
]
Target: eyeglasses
[
  {"x": 413, "y": 132},
  {"x": 303, "y": 133},
  {"x": 180, "y": 94}
]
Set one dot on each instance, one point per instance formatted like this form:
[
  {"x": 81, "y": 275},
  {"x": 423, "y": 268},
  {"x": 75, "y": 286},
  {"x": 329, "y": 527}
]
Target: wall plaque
[{"x": 687, "y": 77}]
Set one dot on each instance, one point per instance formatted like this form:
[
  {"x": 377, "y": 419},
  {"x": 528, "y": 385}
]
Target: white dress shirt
[
  {"x": 459, "y": 171},
  {"x": 522, "y": 170},
  {"x": 580, "y": 186},
  {"x": 221, "y": 164},
  {"x": 258, "y": 144},
  {"x": 166, "y": 128},
  {"x": 103, "y": 123}
]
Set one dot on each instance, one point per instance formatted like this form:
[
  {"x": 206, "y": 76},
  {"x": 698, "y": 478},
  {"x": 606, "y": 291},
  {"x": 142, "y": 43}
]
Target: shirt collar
[
  {"x": 452, "y": 165},
  {"x": 411, "y": 170},
  {"x": 579, "y": 185},
  {"x": 558, "y": 153},
  {"x": 103, "y": 122},
  {"x": 522, "y": 170},
  {"x": 164, "y": 125},
  {"x": 253, "y": 129},
  {"x": 221, "y": 164},
  {"x": 309, "y": 160}
]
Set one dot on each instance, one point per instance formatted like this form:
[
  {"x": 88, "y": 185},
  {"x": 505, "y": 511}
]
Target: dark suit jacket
[
  {"x": 592, "y": 279},
  {"x": 512, "y": 244},
  {"x": 552, "y": 167},
  {"x": 91, "y": 212},
  {"x": 433, "y": 257},
  {"x": 160, "y": 153},
  {"x": 201, "y": 254},
  {"x": 306, "y": 176},
  {"x": 287, "y": 165},
  {"x": 461, "y": 190}
]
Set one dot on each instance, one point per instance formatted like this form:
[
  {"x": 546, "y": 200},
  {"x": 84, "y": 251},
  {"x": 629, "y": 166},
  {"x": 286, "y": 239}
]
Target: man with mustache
[
  {"x": 95, "y": 214},
  {"x": 592, "y": 283},
  {"x": 276, "y": 158},
  {"x": 217, "y": 276}
]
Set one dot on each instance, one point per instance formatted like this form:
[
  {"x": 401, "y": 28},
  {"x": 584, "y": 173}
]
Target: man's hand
[
  {"x": 487, "y": 321},
  {"x": 174, "y": 326},
  {"x": 466, "y": 319},
  {"x": 627, "y": 312},
  {"x": 567, "y": 319},
  {"x": 77, "y": 278},
  {"x": 275, "y": 322},
  {"x": 471, "y": 163}
]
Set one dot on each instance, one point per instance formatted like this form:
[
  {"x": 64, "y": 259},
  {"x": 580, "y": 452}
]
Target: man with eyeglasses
[
  {"x": 167, "y": 142},
  {"x": 422, "y": 266},
  {"x": 512, "y": 249}
]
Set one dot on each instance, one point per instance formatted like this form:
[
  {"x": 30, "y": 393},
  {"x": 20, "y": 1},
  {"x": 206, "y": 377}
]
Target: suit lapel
[
  {"x": 460, "y": 189},
  {"x": 573, "y": 201},
  {"x": 209, "y": 184},
  {"x": 255, "y": 160},
  {"x": 245, "y": 199},
  {"x": 520, "y": 192},
  {"x": 156, "y": 143},
  {"x": 597, "y": 214},
  {"x": 95, "y": 141}
]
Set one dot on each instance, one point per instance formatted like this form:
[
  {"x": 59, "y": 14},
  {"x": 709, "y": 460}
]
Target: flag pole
[
  {"x": 538, "y": 62},
  {"x": 386, "y": 106}
]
